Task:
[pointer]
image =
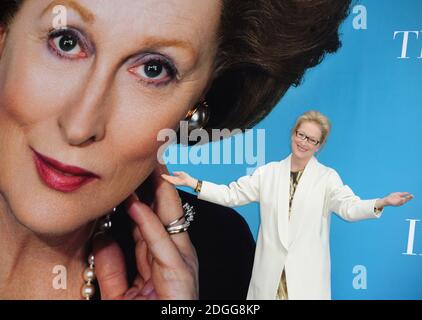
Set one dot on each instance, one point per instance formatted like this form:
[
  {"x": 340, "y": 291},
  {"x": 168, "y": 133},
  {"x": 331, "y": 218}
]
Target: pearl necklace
[{"x": 88, "y": 288}]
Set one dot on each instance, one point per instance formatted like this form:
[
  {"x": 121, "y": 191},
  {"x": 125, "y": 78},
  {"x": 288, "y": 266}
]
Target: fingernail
[
  {"x": 147, "y": 289},
  {"x": 131, "y": 293},
  {"x": 135, "y": 196},
  {"x": 131, "y": 200}
]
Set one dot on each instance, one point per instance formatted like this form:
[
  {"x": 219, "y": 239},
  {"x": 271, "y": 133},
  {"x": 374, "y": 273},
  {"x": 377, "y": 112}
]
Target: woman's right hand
[
  {"x": 167, "y": 264},
  {"x": 180, "y": 178}
]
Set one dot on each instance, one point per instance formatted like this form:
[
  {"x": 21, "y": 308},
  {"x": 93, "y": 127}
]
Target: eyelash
[
  {"x": 54, "y": 34},
  {"x": 154, "y": 58}
]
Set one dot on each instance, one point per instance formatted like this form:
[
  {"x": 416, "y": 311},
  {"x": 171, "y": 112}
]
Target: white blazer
[{"x": 301, "y": 245}]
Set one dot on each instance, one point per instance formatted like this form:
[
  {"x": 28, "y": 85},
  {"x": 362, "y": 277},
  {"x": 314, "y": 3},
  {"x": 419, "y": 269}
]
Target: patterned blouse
[{"x": 294, "y": 180}]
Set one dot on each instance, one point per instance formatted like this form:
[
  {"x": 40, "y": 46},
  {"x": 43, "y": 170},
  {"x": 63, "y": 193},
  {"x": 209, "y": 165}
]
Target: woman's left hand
[
  {"x": 397, "y": 199},
  {"x": 167, "y": 264}
]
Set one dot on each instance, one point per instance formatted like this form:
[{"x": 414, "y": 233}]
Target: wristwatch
[
  {"x": 198, "y": 186},
  {"x": 377, "y": 210}
]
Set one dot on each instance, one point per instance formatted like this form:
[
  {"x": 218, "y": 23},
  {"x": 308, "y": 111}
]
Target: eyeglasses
[{"x": 303, "y": 136}]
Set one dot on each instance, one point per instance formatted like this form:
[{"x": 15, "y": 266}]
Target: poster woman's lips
[{"x": 60, "y": 176}]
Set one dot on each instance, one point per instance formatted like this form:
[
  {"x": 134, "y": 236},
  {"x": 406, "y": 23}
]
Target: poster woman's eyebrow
[
  {"x": 85, "y": 14},
  {"x": 157, "y": 42}
]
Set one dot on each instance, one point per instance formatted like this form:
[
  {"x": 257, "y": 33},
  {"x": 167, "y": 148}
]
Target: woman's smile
[
  {"x": 59, "y": 176},
  {"x": 301, "y": 148}
]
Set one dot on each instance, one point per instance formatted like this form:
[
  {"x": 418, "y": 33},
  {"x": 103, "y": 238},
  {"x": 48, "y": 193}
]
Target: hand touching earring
[{"x": 167, "y": 264}]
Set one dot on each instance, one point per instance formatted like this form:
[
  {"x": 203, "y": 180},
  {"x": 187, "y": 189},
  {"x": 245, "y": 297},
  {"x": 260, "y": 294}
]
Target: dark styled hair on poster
[{"x": 8, "y": 9}]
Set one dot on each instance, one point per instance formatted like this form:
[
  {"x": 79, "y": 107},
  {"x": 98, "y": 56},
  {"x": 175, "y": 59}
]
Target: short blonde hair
[{"x": 318, "y": 118}]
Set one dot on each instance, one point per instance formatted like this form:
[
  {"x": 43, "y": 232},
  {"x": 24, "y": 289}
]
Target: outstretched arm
[
  {"x": 395, "y": 199},
  {"x": 240, "y": 192},
  {"x": 180, "y": 178},
  {"x": 347, "y": 205}
]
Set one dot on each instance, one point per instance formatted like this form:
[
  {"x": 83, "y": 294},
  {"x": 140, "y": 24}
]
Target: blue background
[{"x": 373, "y": 100}]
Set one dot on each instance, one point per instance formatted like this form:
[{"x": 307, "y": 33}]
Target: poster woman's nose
[{"x": 84, "y": 119}]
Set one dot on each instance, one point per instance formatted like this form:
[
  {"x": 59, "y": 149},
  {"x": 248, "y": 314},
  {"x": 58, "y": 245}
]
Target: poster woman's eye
[
  {"x": 67, "y": 43},
  {"x": 154, "y": 69}
]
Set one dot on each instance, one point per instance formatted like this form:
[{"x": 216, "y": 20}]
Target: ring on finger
[{"x": 174, "y": 228}]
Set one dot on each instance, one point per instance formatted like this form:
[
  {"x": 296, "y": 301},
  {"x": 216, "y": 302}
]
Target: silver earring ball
[
  {"x": 91, "y": 260},
  {"x": 105, "y": 224},
  {"x": 199, "y": 117}
]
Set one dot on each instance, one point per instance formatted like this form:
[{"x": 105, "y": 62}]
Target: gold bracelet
[{"x": 198, "y": 186}]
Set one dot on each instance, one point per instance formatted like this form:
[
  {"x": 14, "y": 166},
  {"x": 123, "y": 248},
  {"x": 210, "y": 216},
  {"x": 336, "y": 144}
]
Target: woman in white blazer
[{"x": 296, "y": 196}]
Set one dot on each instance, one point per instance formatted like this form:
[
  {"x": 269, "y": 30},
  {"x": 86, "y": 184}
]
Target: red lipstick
[{"x": 60, "y": 176}]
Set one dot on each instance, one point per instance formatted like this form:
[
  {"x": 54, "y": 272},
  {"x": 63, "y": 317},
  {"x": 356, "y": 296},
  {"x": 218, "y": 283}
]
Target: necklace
[{"x": 88, "y": 288}]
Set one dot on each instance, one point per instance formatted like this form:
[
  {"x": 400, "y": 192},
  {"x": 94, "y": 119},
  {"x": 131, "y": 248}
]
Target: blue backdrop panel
[{"x": 372, "y": 92}]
